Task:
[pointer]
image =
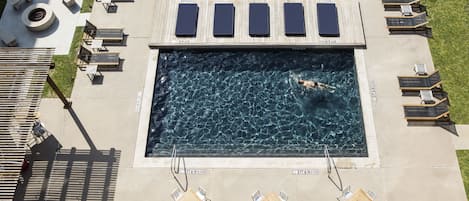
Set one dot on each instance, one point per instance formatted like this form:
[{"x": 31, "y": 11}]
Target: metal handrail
[
  {"x": 330, "y": 165},
  {"x": 175, "y": 168}
]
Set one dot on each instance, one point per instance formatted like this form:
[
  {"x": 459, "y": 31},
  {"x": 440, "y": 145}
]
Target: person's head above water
[{"x": 301, "y": 81}]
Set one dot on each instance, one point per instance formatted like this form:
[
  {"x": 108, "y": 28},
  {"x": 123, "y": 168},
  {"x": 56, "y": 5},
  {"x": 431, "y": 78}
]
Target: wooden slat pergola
[{"x": 23, "y": 73}]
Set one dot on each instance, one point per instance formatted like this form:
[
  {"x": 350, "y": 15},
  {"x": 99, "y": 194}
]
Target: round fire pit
[
  {"x": 37, "y": 14},
  {"x": 38, "y": 17}
]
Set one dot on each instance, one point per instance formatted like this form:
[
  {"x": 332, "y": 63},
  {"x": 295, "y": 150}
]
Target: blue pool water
[{"x": 248, "y": 103}]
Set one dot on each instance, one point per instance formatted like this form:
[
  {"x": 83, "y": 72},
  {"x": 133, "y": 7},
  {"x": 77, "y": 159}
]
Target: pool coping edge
[{"x": 372, "y": 161}]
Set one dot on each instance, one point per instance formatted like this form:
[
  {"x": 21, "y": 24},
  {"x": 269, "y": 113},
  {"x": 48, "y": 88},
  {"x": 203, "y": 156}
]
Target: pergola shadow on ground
[{"x": 68, "y": 174}]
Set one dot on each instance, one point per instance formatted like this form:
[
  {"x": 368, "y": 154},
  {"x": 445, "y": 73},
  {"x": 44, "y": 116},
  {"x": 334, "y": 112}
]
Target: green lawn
[
  {"x": 450, "y": 51},
  {"x": 86, "y": 6},
  {"x": 65, "y": 68},
  {"x": 463, "y": 158}
]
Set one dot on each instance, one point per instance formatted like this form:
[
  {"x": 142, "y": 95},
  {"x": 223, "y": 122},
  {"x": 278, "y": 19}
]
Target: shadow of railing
[{"x": 68, "y": 174}]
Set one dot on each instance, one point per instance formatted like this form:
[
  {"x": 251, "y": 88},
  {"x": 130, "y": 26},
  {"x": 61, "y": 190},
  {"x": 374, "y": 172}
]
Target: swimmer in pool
[{"x": 313, "y": 84}]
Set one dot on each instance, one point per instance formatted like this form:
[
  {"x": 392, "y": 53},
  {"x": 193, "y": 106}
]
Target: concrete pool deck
[{"x": 416, "y": 163}]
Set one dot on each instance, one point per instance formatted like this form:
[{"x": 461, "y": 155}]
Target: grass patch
[
  {"x": 449, "y": 47},
  {"x": 463, "y": 158},
  {"x": 87, "y": 6},
  {"x": 65, "y": 68}
]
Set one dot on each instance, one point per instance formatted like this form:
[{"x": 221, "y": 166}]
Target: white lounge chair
[
  {"x": 201, "y": 194},
  {"x": 420, "y": 69},
  {"x": 110, "y": 36},
  {"x": 176, "y": 194},
  {"x": 257, "y": 196},
  {"x": 346, "y": 194},
  {"x": 283, "y": 196}
]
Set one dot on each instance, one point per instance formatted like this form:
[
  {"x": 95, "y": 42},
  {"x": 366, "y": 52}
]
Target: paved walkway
[
  {"x": 461, "y": 142},
  {"x": 62, "y": 29},
  {"x": 417, "y": 163}
]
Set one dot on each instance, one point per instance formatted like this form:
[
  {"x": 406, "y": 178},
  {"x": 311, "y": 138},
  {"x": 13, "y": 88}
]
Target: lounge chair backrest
[
  {"x": 427, "y": 111},
  {"x": 442, "y": 106},
  {"x": 407, "y": 22},
  {"x": 84, "y": 54},
  {"x": 434, "y": 78},
  {"x": 90, "y": 29},
  {"x": 442, "y": 103},
  {"x": 411, "y": 22},
  {"x": 110, "y": 33}
]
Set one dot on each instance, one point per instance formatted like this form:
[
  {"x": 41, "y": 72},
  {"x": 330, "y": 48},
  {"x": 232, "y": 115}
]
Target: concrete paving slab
[
  {"x": 420, "y": 184},
  {"x": 62, "y": 29}
]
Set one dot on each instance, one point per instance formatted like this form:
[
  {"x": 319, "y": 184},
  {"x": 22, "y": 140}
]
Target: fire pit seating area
[{"x": 38, "y": 17}]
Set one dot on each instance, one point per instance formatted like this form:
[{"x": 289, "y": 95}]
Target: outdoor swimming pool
[{"x": 249, "y": 103}]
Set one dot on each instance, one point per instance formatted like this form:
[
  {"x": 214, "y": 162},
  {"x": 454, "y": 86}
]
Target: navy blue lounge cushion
[
  {"x": 328, "y": 22},
  {"x": 186, "y": 24},
  {"x": 294, "y": 19},
  {"x": 223, "y": 24},
  {"x": 259, "y": 23}
]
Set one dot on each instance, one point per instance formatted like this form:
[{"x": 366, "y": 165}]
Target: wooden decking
[{"x": 350, "y": 26}]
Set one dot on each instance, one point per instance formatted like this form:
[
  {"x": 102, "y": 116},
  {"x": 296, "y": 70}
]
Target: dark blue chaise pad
[
  {"x": 259, "y": 23},
  {"x": 327, "y": 20},
  {"x": 223, "y": 24},
  {"x": 186, "y": 24},
  {"x": 294, "y": 19}
]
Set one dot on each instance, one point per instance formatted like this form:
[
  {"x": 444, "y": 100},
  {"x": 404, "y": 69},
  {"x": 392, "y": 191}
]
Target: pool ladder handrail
[
  {"x": 330, "y": 165},
  {"x": 175, "y": 168}
]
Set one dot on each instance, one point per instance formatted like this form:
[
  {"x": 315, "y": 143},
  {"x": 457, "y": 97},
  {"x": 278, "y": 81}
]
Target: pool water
[{"x": 249, "y": 103}]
